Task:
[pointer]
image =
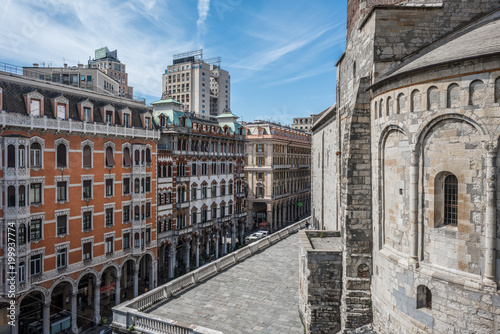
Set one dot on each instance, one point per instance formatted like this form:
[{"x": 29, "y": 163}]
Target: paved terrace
[
  {"x": 252, "y": 290},
  {"x": 257, "y": 295}
]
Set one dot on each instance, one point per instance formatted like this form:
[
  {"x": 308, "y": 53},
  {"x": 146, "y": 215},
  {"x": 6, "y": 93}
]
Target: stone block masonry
[{"x": 320, "y": 280}]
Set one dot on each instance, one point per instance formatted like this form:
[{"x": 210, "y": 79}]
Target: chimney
[{"x": 35, "y": 65}]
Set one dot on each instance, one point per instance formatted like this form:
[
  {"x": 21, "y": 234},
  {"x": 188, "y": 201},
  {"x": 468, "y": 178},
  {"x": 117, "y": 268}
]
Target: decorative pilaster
[
  {"x": 413, "y": 197},
  {"x": 490, "y": 219}
]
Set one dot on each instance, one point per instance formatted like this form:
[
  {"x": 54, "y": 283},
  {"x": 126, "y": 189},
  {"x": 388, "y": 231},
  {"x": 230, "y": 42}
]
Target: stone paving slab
[{"x": 257, "y": 295}]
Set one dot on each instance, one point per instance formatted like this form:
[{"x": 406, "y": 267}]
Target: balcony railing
[{"x": 44, "y": 123}]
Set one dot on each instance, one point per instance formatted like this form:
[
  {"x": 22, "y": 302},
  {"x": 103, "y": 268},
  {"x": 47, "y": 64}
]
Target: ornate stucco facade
[
  {"x": 407, "y": 167},
  {"x": 201, "y": 211},
  {"x": 278, "y": 167}
]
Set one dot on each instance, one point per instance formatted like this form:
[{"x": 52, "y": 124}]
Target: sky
[{"x": 281, "y": 54}]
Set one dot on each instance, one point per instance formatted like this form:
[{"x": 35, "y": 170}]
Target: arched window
[
  {"x": 87, "y": 156},
  {"x": 450, "y": 200},
  {"x": 137, "y": 185},
  {"x": 36, "y": 155},
  {"x": 137, "y": 157},
  {"x": 376, "y": 109},
  {"x": 476, "y": 93},
  {"x": 389, "y": 110},
  {"x": 453, "y": 96},
  {"x": 126, "y": 157},
  {"x": 137, "y": 212},
  {"x": 194, "y": 191},
  {"x": 22, "y": 234},
  {"x": 61, "y": 156},
  {"x": 11, "y": 196},
  {"x": 110, "y": 160},
  {"x": 432, "y": 98},
  {"x": 22, "y": 156},
  {"x": 401, "y": 104},
  {"x": 381, "y": 109},
  {"x": 148, "y": 156},
  {"x": 497, "y": 90},
  {"x": 22, "y": 195},
  {"x": 143, "y": 158},
  {"x": 424, "y": 297},
  {"x": 169, "y": 170},
  {"x": 415, "y": 101},
  {"x": 11, "y": 156}
]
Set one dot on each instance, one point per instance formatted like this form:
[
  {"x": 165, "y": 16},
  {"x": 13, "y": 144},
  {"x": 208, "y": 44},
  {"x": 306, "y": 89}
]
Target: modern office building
[
  {"x": 200, "y": 85},
  {"x": 201, "y": 184},
  {"x": 278, "y": 168},
  {"x": 77, "y": 76},
  {"x": 108, "y": 62},
  {"x": 78, "y": 189}
]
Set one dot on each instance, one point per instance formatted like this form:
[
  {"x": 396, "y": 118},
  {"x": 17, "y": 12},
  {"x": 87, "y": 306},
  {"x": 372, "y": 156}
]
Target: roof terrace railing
[{"x": 131, "y": 313}]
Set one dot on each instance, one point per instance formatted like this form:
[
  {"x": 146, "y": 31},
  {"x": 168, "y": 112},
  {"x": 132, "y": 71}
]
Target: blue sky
[{"x": 280, "y": 54}]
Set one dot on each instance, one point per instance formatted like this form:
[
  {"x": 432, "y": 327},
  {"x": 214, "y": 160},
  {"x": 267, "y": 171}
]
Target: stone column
[
  {"x": 136, "y": 281},
  {"x": 207, "y": 241},
  {"x": 46, "y": 317},
  {"x": 118, "y": 287},
  {"x": 74, "y": 324},
  {"x": 250, "y": 216},
  {"x": 242, "y": 234},
  {"x": 97, "y": 301},
  {"x": 270, "y": 214},
  {"x": 413, "y": 198},
  {"x": 490, "y": 233},
  {"x": 233, "y": 236},
  {"x": 279, "y": 217},
  {"x": 154, "y": 275},
  {"x": 216, "y": 244},
  {"x": 187, "y": 257},
  {"x": 224, "y": 241},
  {"x": 197, "y": 252}
]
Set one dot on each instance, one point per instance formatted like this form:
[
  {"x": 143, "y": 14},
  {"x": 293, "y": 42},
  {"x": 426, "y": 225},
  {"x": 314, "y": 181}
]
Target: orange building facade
[{"x": 78, "y": 204}]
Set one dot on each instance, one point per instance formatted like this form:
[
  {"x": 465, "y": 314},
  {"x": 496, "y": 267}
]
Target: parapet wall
[{"x": 320, "y": 279}]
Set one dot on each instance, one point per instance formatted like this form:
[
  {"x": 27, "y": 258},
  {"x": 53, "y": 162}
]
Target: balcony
[
  {"x": 186, "y": 230},
  {"x": 16, "y": 173},
  {"x": 281, "y": 166},
  {"x": 182, "y": 205},
  {"x": 182, "y": 179},
  {"x": 58, "y": 125},
  {"x": 16, "y": 212},
  {"x": 240, "y": 194}
]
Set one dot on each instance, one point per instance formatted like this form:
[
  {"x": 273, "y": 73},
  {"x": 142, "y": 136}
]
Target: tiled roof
[
  {"x": 13, "y": 101},
  {"x": 477, "y": 40}
]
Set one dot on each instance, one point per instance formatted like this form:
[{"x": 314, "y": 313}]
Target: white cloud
[
  {"x": 203, "y": 9},
  {"x": 73, "y": 30}
]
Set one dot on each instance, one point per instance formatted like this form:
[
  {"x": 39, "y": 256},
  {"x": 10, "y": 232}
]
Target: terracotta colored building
[{"x": 78, "y": 200}]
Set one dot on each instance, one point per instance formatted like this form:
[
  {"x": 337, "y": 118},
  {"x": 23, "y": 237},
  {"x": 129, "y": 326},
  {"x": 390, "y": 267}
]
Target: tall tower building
[
  {"x": 201, "y": 85},
  {"x": 107, "y": 61}
]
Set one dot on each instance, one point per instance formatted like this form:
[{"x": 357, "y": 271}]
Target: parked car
[
  {"x": 264, "y": 233},
  {"x": 255, "y": 236}
]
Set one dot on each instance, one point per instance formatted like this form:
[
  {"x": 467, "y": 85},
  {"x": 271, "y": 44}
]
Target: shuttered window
[
  {"x": 87, "y": 156},
  {"x": 110, "y": 160},
  {"x": 126, "y": 157}
]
